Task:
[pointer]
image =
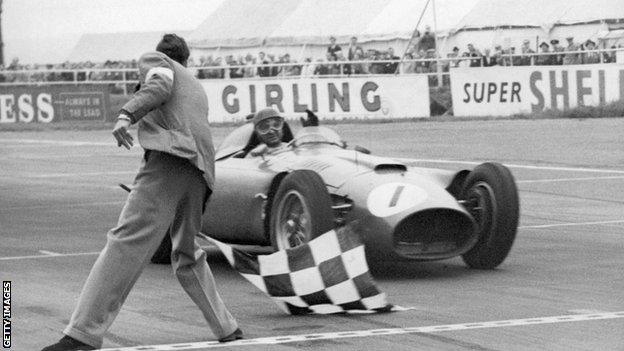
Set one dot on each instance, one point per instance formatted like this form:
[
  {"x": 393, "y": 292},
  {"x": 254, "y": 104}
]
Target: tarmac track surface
[{"x": 561, "y": 288}]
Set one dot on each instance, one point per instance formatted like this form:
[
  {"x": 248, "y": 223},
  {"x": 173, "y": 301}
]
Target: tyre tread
[{"x": 489, "y": 252}]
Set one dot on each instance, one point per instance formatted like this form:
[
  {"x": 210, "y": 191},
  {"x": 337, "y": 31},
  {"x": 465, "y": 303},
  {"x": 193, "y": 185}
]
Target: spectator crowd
[
  {"x": 69, "y": 71},
  {"x": 548, "y": 54},
  {"x": 352, "y": 59},
  {"x": 336, "y": 62}
]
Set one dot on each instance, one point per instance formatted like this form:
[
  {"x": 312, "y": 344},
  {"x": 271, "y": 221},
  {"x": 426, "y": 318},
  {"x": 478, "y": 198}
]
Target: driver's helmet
[{"x": 265, "y": 114}]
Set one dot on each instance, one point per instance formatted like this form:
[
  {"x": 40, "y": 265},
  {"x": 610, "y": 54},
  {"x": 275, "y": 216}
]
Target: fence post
[
  {"x": 125, "y": 83},
  {"x": 439, "y": 72}
]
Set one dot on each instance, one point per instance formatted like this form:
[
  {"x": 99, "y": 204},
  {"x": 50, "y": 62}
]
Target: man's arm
[{"x": 156, "y": 76}]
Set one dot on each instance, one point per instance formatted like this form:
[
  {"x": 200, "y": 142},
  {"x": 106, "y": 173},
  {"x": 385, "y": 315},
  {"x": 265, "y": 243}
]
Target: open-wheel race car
[{"x": 316, "y": 183}]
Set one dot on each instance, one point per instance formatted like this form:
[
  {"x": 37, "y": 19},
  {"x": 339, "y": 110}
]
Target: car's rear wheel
[
  {"x": 490, "y": 195},
  {"x": 301, "y": 210}
]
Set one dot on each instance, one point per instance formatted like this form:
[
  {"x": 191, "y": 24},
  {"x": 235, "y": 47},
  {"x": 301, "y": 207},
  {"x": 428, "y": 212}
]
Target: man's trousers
[{"x": 168, "y": 195}]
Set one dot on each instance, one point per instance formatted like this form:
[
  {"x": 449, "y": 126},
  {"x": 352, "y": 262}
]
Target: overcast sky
[{"x": 38, "y": 31}]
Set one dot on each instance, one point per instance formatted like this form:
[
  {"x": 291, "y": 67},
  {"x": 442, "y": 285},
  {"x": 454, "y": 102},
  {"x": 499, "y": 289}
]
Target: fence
[
  {"x": 373, "y": 89},
  {"x": 124, "y": 80}
]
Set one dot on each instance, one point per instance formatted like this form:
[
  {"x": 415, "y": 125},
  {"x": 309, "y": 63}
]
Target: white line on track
[
  {"x": 32, "y": 176},
  {"x": 56, "y": 142},
  {"x": 79, "y": 174},
  {"x": 569, "y": 224},
  {"x": 377, "y": 332},
  {"x": 550, "y": 168},
  {"x": 58, "y": 206},
  {"x": 93, "y": 155},
  {"x": 566, "y": 179},
  {"x": 587, "y": 311},
  {"x": 48, "y": 254}
]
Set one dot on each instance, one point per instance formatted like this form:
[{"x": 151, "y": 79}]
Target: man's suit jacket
[{"x": 171, "y": 108}]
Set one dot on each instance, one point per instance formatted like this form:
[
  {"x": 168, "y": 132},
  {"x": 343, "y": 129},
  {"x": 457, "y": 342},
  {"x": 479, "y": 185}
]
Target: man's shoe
[
  {"x": 237, "y": 334},
  {"x": 67, "y": 343}
]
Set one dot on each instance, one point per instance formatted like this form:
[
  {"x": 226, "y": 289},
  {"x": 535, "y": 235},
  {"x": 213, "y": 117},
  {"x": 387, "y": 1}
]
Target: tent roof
[
  {"x": 314, "y": 21},
  {"x": 614, "y": 34},
  {"x": 399, "y": 17},
  {"x": 100, "y": 47},
  {"x": 244, "y": 23},
  {"x": 539, "y": 13},
  {"x": 241, "y": 23}
]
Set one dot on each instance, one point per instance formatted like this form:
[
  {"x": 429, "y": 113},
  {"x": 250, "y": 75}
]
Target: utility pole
[
  {"x": 1, "y": 41},
  {"x": 437, "y": 45},
  {"x": 409, "y": 43}
]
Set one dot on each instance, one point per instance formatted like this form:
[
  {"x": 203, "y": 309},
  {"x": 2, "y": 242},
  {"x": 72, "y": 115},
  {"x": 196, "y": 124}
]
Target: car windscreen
[
  {"x": 235, "y": 141},
  {"x": 317, "y": 135}
]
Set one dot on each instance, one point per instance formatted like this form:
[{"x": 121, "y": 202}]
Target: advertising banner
[
  {"x": 331, "y": 98},
  {"x": 53, "y": 103},
  {"x": 505, "y": 91}
]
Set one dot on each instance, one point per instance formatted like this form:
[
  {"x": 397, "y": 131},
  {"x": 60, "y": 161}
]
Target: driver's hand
[
  {"x": 259, "y": 150},
  {"x": 121, "y": 134},
  {"x": 311, "y": 120}
]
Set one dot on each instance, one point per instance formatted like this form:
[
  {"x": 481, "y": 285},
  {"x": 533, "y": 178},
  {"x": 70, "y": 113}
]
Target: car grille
[{"x": 434, "y": 234}]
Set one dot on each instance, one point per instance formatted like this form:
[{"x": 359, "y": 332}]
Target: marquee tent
[
  {"x": 509, "y": 22},
  {"x": 241, "y": 23},
  {"x": 303, "y": 27},
  {"x": 100, "y": 47}
]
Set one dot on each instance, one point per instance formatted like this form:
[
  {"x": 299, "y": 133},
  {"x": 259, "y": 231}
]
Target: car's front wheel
[
  {"x": 490, "y": 195},
  {"x": 301, "y": 210}
]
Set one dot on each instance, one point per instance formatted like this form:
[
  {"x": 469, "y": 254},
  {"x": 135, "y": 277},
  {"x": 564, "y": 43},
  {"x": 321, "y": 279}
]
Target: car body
[{"x": 400, "y": 211}]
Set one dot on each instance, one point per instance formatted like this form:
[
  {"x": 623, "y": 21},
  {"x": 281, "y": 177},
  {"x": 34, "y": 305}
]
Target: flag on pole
[{"x": 327, "y": 275}]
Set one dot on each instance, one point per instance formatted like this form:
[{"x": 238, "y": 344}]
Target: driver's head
[{"x": 268, "y": 125}]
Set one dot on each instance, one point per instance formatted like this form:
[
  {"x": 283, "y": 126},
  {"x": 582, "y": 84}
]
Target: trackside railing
[{"x": 124, "y": 80}]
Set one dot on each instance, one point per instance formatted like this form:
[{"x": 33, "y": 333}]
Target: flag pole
[
  {"x": 435, "y": 26},
  {"x": 435, "y": 35},
  {"x": 412, "y": 38}
]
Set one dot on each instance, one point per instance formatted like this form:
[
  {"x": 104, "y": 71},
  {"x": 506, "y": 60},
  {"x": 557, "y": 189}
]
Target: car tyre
[
  {"x": 490, "y": 195},
  {"x": 300, "y": 211}
]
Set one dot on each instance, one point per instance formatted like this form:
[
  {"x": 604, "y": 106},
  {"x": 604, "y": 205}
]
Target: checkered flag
[{"x": 327, "y": 275}]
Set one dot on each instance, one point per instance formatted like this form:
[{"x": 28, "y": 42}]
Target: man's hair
[{"x": 175, "y": 47}]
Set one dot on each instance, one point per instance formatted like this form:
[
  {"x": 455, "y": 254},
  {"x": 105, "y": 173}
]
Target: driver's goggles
[{"x": 266, "y": 125}]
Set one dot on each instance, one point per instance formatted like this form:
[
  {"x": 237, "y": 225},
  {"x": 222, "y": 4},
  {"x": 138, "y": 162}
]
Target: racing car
[{"x": 318, "y": 183}]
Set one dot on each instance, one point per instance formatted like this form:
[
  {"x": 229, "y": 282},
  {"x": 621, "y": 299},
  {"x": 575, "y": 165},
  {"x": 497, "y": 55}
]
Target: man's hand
[
  {"x": 311, "y": 121},
  {"x": 121, "y": 134}
]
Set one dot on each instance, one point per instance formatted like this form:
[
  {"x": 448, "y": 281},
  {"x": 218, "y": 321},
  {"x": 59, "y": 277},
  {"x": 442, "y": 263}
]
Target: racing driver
[{"x": 268, "y": 125}]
